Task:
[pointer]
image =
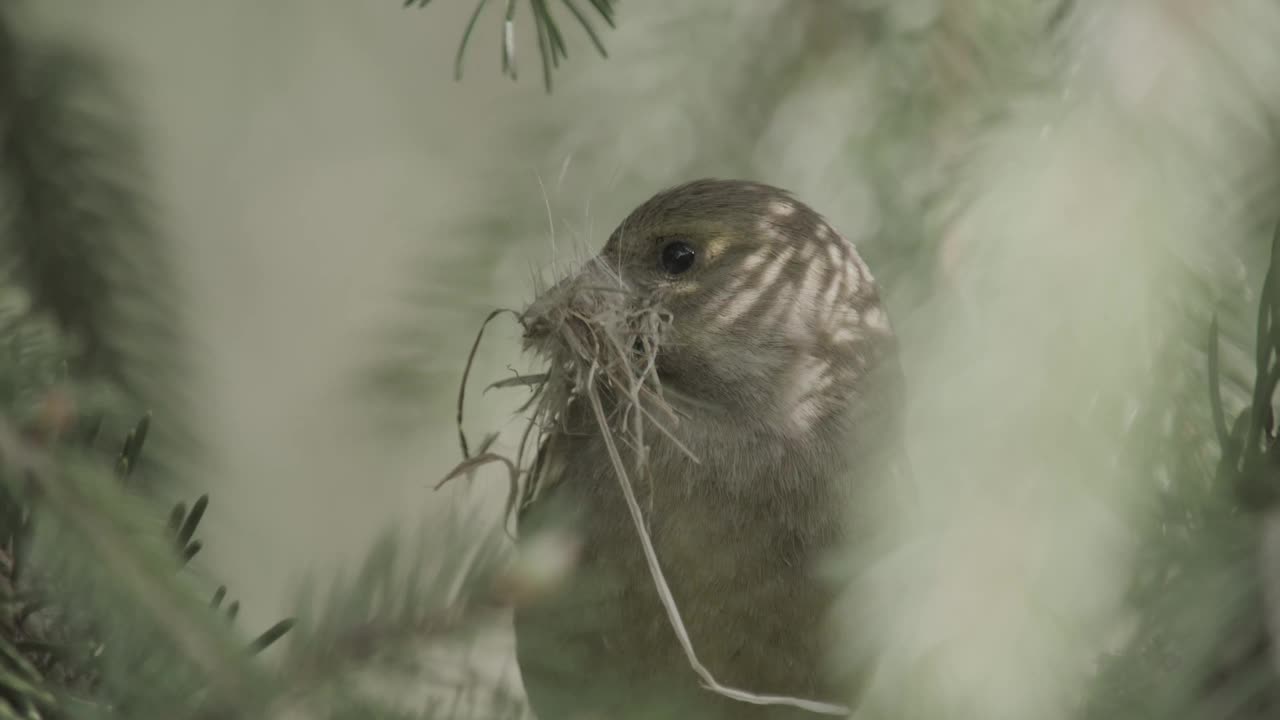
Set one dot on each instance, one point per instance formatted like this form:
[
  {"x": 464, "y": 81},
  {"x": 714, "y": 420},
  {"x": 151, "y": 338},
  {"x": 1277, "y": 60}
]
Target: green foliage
[
  {"x": 402, "y": 618},
  {"x": 551, "y": 42},
  {"x": 79, "y": 231},
  {"x": 64, "y": 656},
  {"x": 96, "y": 619},
  {"x": 1202, "y": 647},
  {"x": 34, "y": 363}
]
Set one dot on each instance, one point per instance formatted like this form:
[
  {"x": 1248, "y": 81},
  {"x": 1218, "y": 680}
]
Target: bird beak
[{"x": 579, "y": 295}]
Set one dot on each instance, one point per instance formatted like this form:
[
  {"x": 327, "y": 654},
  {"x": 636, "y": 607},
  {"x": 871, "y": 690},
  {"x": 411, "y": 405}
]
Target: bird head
[{"x": 731, "y": 298}]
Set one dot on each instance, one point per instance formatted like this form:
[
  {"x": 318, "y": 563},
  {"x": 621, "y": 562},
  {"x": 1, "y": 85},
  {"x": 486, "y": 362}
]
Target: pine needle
[{"x": 551, "y": 41}]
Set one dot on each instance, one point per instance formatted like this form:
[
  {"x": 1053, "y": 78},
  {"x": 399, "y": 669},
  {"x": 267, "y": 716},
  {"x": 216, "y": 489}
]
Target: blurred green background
[{"x": 1057, "y": 198}]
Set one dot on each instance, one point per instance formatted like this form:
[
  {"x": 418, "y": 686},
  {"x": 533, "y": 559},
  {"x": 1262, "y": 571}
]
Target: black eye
[{"x": 677, "y": 257}]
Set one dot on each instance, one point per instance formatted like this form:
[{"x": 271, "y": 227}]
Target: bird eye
[{"x": 677, "y": 257}]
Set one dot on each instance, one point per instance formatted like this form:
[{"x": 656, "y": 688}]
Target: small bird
[{"x": 727, "y": 356}]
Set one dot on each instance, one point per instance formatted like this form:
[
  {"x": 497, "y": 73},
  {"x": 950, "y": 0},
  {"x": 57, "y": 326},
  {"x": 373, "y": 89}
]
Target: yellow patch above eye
[{"x": 715, "y": 247}]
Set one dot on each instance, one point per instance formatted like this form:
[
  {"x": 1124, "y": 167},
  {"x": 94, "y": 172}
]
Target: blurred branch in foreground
[
  {"x": 79, "y": 229},
  {"x": 1203, "y": 647}
]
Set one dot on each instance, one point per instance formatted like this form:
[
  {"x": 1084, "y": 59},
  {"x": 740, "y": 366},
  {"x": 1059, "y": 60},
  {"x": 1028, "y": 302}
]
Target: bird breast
[{"x": 736, "y": 533}]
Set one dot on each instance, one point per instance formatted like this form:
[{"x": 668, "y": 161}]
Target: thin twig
[
  {"x": 466, "y": 466},
  {"x": 517, "y": 381},
  {"x": 466, "y": 373}
]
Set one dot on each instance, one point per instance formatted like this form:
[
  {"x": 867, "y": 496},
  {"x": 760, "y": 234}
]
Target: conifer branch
[
  {"x": 552, "y": 46},
  {"x": 141, "y": 570}
]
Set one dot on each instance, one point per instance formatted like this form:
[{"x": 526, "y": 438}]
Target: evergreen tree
[{"x": 915, "y": 123}]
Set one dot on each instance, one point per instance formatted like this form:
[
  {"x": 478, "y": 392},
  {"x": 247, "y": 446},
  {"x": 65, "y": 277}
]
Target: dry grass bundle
[{"x": 606, "y": 347}]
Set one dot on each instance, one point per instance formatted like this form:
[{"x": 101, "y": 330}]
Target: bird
[{"x": 728, "y": 354}]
